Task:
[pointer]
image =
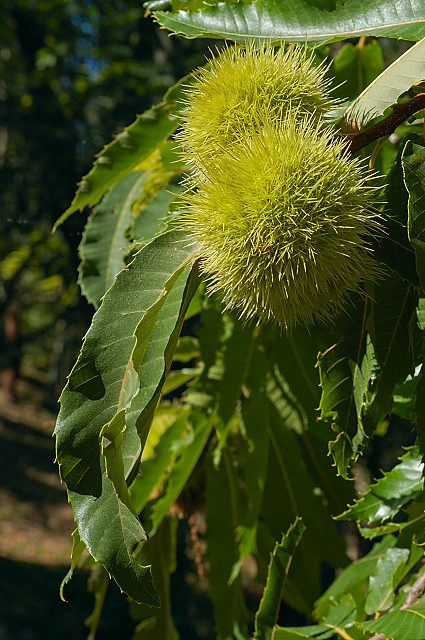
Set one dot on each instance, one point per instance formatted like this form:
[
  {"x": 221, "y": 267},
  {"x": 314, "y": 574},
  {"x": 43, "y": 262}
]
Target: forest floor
[{"x": 35, "y": 526}]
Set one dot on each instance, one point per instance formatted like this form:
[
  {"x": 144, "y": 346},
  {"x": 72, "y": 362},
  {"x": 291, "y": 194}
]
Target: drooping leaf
[
  {"x": 293, "y": 388},
  {"x": 104, "y": 381},
  {"x": 223, "y": 508},
  {"x": 110, "y": 532},
  {"x": 159, "y": 551},
  {"x": 128, "y": 151},
  {"x": 104, "y": 245},
  {"x": 400, "y": 624},
  {"x": 97, "y": 584},
  {"x": 392, "y": 310},
  {"x": 385, "y": 579},
  {"x": 354, "y": 578},
  {"x": 413, "y": 161},
  {"x": 297, "y": 497},
  {"x": 296, "y": 355},
  {"x": 346, "y": 370},
  {"x": 268, "y": 611},
  {"x": 386, "y": 497},
  {"x": 340, "y": 617},
  {"x": 394, "y": 248},
  {"x": 254, "y": 422},
  {"x": 78, "y": 548},
  {"x": 152, "y": 358},
  {"x": 183, "y": 466},
  {"x": 100, "y": 388},
  {"x": 160, "y": 463},
  {"x": 277, "y": 20},
  {"x": 236, "y": 360},
  {"x": 405, "y": 71}
]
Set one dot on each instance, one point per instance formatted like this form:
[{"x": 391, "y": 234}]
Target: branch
[
  {"x": 388, "y": 125},
  {"x": 415, "y": 591}
]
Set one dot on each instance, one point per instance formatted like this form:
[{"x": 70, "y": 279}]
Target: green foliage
[
  {"x": 389, "y": 494},
  {"x": 278, "y": 20},
  {"x": 130, "y": 149},
  {"x": 280, "y": 562},
  {"x": 175, "y": 409},
  {"x": 384, "y": 91},
  {"x": 414, "y": 176}
]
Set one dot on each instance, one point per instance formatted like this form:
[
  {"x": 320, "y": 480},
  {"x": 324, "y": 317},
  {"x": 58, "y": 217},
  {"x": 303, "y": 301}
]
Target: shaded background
[{"x": 72, "y": 74}]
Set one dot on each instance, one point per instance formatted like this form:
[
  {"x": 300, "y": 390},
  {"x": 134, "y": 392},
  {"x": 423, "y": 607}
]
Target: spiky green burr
[
  {"x": 244, "y": 87},
  {"x": 283, "y": 222}
]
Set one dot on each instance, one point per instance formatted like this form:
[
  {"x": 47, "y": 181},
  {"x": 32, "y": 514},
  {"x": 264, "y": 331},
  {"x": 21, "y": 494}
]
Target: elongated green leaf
[
  {"x": 112, "y": 439},
  {"x": 157, "y": 624},
  {"x": 383, "y": 92},
  {"x": 104, "y": 245},
  {"x": 387, "y": 575},
  {"x": 394, "y": 248},
  {"x": 420, "y": 411},
  {"x": 154, "y": 214},
  {"x": 221, "y": 383},
  {"x": 130, "y": 149},
  {"x": 178, "y": 378},
  {"x": 388, "y": 495},
  {"x": 340, "y": 617},
  {"x": 346, "y": 370},
  {"x": 78, "y": 548},
  {"x": 297, "y": 497},
  {"x": 293, "y": 388},
  {"x": 295, "y": 633},
  {"x": 104, "y": 380},
  {"x": 160, "y": 463},
  {"x": 223, "y": 508},
  {"x": 414, "y": 524},
  {"x": 97, "y": 584},
  {"x": 268, "y": 611},
  {"x": 296, "y": 357},
  {"x": 393, "y": 309},
  {"x": 236, "y": 360},
  {"x": 353, "y": 578},
  {"x": 182, "y": 468},
  {"x": 400, "y": 624},
  {"x": 110, "y": 532},
  {"x": 413, "y": 161},
  {"x": 100, "y": 388},
  {"x": 157, "y": 349},
  {"x": 254, "y": 422},
  {"x": 278, "y": 20},
  {"x": 154, "y": 335}
]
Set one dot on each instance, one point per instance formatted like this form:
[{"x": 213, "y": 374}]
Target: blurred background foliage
[{"x": 72, "y": 74}]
